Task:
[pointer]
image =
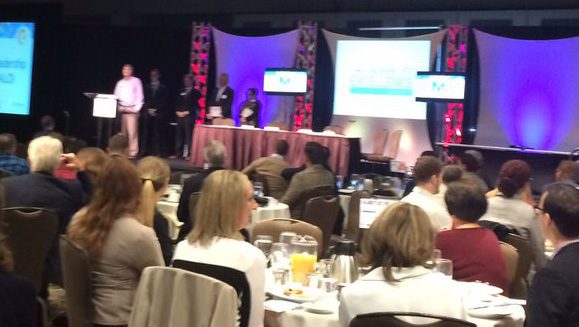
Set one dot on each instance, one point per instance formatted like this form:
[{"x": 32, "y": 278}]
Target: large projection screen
[
  {"x": 16, "y": 57},
  {"x": 529, "y": 93}
]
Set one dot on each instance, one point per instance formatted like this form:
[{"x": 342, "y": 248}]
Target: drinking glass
[
  {"x": 303, "y": 258},
  {"x": 280, "y": 256},
  {"x": 287, "y": 237},
  {"x": 339, "y": 182},
  {"x": 444, "y": 266},
  {"x": 257, "y": 189},
  {"x": 354, "y": 179},
  {"x": 325, "y": 267},
  {"x": 264, "y": 243}
]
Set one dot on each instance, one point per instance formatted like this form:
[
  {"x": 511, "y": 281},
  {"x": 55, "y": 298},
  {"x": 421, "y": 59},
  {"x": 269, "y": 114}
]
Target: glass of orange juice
[{"x": 303, "y": 258}]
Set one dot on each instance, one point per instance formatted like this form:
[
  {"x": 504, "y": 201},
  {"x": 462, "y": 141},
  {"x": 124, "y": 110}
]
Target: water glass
[
  {"x": 354, "y": 180},
  {"x": 280, "y": 258},
  {"x": 325, "y": 267},
  {"x": 339, "y": 181},
  {"x": 281, "y": 276},
  {"x": 444, "y": 266},
  {"x": 264, "y": 243},
  {"x": 287, "y": 237},
  {"x": 257, "y": 189}
]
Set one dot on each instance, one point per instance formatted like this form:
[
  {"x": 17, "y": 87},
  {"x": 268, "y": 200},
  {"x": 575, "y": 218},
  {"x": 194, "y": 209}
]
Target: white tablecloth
[{"x": 277, "y": 210}]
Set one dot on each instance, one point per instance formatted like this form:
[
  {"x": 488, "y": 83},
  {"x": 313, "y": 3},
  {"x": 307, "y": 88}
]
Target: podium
[{"x": 104, "y": 109}]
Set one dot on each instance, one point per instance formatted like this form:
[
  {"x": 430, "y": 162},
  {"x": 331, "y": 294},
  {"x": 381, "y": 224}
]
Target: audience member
[
  {"x": 567, "y": 172},
  {"x": 155, "y": 174},
  {"x": 289, "y": 173},
  {"x": 119, "y": 244},
  {"x": 214, "y": 154},
  {"x": 215, "y": 247},
  {"x": 554, "y": 293},
  {"x": 509, "y": 209},
  {"x": 427, "y": 176},
  {"x": 315, "y": 175},
  {"x": 91, "y": 160},
  {"x": 412, "y": 183},
  {"x": 47, "y": 125},
  {"x": 8, "y": 160},
  {"x": 17, "y": 295},
  {"x": 471, "y": 162},
  {"x": 118, "y": 145},
  {"x": 399, "y": 247},
  {"x": 41, "y": 189},
  {"x": 474, "y": 250},
  {"x": 449, "y": 174},
  {"x": 271, "y": 168}
]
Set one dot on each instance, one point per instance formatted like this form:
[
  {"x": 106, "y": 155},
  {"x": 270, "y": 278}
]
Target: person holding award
[
  {"x": 250, "y": 109},
  {"x": 129, "y": 91},
  {"x": 222, "y": 99}
]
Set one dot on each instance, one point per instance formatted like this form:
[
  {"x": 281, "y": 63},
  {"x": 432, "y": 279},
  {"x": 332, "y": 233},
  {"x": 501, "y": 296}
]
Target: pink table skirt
[{"x": 245, "y": 145}]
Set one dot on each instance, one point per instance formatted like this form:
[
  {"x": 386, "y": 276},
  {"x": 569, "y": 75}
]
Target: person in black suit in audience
[
  {"x": 554, "y": 293},
  {"x": 186, "y": 109},
  {"x": 214, "y": 154},
  {"x": 222, "y": 97},
  {"x": 154, "y": 116},
  {"x": 41, "y": 189}
]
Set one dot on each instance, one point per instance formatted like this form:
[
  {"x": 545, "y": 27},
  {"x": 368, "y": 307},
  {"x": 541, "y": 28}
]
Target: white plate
[
  {"x": 483, "y": 289},
  {"x": 491, "y": 312},
  {"x": 308, "y": 295},
  {"x": 319, "y": 308}
]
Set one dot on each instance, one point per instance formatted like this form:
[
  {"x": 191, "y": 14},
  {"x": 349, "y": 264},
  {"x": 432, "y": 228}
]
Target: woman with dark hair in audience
[
  {"x": 120, "y": 246},
  {"x": 510, "y": 209},
  {"x": 155, "y": 174},
  {"x": 17, "y": 295},
  {"x": 474, "y": 250},
  {"x": 216, "y": 248},
  {"x": 399, "y": 246}
]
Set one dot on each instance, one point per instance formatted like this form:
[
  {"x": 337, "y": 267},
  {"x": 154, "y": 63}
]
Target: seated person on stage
[
  {"x": 17, "y": 295},
  {"x": 215, "y": 247},
  {"x": 473, "y": 249},
  {"x": 118, "y": 146},
  {"x": 271, "y": 167},
  {"x": 427, "y": 175},
  {"x": 313, "y": 176},
  {"x": 250, "y": 109},
  {"x": 8, "y": 160},
  {"x": 214, "y": 154},
  {"x": 471, "y": 162},
  {"x": 399, "y": 246},
  {"x": 155, "y": 174},
  {"x": 553, "y": 298},
  {"x": 111, "y": 229},
  {"x": 41, "y": 189}
]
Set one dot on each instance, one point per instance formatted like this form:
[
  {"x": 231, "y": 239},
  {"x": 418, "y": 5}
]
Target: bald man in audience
[
  {"x": 118, "y": 146},
  {"x": 271, "y": 168},
  {"x": 427, "y": 175}
]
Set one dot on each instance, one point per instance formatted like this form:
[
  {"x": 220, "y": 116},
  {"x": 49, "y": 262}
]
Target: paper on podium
[
  {"x": 215, "y": 111},
  {"x": 246, "y": 112},
  {"x": 105, "y": 106}
]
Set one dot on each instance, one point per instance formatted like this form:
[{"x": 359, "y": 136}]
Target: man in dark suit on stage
[
  {"x": 154, "y": 116},
  {"x": 222, "y": 97},
  {"x": 554, "y": 294},
  {"x": 186, "y": 109}
]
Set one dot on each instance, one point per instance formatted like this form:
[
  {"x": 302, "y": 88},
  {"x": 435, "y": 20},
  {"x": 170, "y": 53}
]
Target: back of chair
[
  {"x": 173, "y": 297},
  {"x": 31, "y": 236},
  {"x": 393, "y": 145},
  {"x": 274, "y": 227},
  {"x": 223, "y": 122},
  {"x": 390, "y": 319},
  {"x": 322, "y": 211},
  {"x": 5, "y": 173},
  {"x": 353, "y": 225},
  {"x": 193, "y": 199},
  {"x": 76, "y": 273},
  {"x": 380, "y": 139},
  {"x": 298, "y": 210},
  {"x": 520, "y": 282},
  {"x": 511, "y": 259}
]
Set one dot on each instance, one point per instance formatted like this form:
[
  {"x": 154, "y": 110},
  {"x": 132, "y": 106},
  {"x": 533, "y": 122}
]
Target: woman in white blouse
[
  {"x": 216, "y": 248},
  {"x": 398, "y": 246}
]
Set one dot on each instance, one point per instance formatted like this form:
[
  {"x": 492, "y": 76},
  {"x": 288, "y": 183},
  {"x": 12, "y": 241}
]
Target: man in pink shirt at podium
[{"x": 129, "y": 91}]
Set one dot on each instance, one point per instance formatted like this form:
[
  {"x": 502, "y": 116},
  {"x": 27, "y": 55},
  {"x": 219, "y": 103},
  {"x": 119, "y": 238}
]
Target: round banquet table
[{"x": 277, "y": 210}]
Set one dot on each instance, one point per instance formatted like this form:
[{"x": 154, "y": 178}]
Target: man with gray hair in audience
[
  {"x": 40, "y": 189},
  {"x": 214, "y": 154}
]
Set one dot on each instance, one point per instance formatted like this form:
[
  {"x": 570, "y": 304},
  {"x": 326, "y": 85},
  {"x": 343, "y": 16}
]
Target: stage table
[{"x": 247, "y": 144}]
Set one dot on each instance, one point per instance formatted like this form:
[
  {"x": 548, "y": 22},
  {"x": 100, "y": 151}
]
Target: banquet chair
[
  {"x": 380, "y": 139},
  {"x": 31, "y": 236},
  {"x": 76, "y": 273},
  {"x": 353, "y": 224},
  {"x": 336, "y": 129},
  {"x": 223, "y": 122},
  {"x": 511, "y": 259},
  {"x": 393, "y": 145},
  {"x": 299, "y": 207},
  {"x": 174, "y": 297},
  {"x": 175, "y": 177},
  {"x": 391, "y": 319},
  {"x": 274, "y": 227},
  {"x": 520, "y": 283},
  {"x": 323, "y": 211},
  {"x": 5, "y": 173}
]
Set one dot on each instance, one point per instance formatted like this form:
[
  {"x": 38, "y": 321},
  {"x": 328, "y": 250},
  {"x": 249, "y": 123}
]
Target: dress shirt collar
[
  {"x": 564, "y": 244},
  {"x": 275, "y": 155},
  {"x": 377, "y": 274},
  {"x": 422, "y": 191}
]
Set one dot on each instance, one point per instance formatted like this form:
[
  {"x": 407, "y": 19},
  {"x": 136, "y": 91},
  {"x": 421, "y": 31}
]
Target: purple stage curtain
[
  {"x": 246, "y": 58},
  {"x": 245, "y": 145}
]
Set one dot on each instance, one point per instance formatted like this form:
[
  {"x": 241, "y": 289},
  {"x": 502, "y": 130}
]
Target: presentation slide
[
  {"x": 375, "y": 78},
  {"x": 285, "y": 81},
  {"x": 434, "y": 86},
  {"x": 16, "y": 53}
]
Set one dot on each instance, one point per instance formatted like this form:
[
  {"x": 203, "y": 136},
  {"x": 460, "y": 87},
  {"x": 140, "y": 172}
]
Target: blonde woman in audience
[
  {"x": 118, "y": 243},
  {"x": 398, "y": 246},
  {"x": 216, "y": 248},
  {"x": 155, "y": 174}
]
